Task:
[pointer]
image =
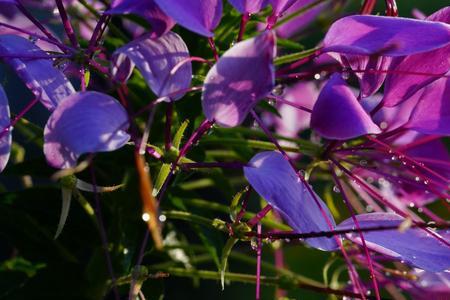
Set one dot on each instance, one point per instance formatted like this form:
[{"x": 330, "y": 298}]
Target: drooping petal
[
  {"x": 432, "y": 113},
  {"x": 337, "y": 113},
  {"x": 241, "y": 77},
  {"x": 293, "y": 119},
  {"x": 430, "y": 285},
  {"x": 40, "y": 76},
  {"x": 274, "y": 179},
  {"x": 413, "y": 246},
  {"x": 249, "y": 6},
  {"x": 388, "y": 36},
  {"x": 147, "y": 9},
  {"x": 5, "y": 133},
  {"x": 200, "y": 16},
  {"x": 401, "y": 85},
  {"x": 160, "y": 62},
  {"x": 85, "y": 122}
]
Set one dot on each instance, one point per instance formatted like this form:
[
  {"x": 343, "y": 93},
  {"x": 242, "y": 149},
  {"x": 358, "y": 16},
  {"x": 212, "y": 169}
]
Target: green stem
[
  {"x": 297, "y": 13},
  {"x": 294, "y": 56}
]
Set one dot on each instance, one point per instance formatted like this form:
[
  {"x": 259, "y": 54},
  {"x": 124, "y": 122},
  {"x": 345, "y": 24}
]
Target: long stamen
[{"x": 366, "y": 249}]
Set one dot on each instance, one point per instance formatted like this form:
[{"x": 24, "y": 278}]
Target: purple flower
[
  {"x": 163, "y": 62},
  {"x": 242, "y": 76},
  {"x": 85, "y": 122}
]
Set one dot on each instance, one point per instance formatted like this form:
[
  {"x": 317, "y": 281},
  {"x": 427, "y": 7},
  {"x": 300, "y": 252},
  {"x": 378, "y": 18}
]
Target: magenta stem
[
  {"x": 66, "y": 24},
  {"x": 258, "y": 217},
  {"x": 244, "y": 20},
  {"x": 258, "y": 264},
  {"x": 6, "y": 129},
  {"x": 212, "y": 44},
  {"x": 287, "y": 102},
  {"x": 39, "y": 37},
  {"x": 35, "y": 21},
  {"x": 96, "y": 34},
  {"x": 361, "y": 235}
]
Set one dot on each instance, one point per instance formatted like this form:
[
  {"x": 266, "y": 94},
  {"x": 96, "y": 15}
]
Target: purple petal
[
  {"x": 85, "y": 122},
  {"x": 400, "y": 85},
  {"x": 414, "y": 246},
  {"x": 389, "y": 36},
  {"x": 241, "y": 77},
  {"x": 280, "y": 6},
  {"x": 158, "y": 60},
  {"x": 298, "y": 23},
  {"x": 147, "y": 9},
  {"x": 293, "y": 119},
  {"x": 370, "y": 81},
  {"x": 45, "y": 81},
  {"x": 249, "y": 6},
  {"x": 431, "y": 285},
  {"x": 274, "y": 179},
  {"x": 5, "y": 133},
  {"x": 200, "y": 16},
  {"x": 432, "y": 113},
  {"x": 337, "y": 113}
]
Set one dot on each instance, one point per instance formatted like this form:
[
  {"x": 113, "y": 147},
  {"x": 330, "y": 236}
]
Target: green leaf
[
  {"x": 161, "y": 178},
  {"x": 179, "y": 134},
  {"x": 224, "y": 259}
]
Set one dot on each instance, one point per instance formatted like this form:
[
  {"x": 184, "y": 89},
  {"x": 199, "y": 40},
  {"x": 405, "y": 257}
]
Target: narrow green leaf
[
  {"x": 162, "y": 175},
  {"x": 224, "y": 260},
  {"x": 179, "y": 134},
  {"x": 294, "y": 56}
]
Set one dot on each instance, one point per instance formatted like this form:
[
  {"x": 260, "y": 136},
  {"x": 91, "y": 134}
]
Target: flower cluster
[{"x": 364, "y": 108}]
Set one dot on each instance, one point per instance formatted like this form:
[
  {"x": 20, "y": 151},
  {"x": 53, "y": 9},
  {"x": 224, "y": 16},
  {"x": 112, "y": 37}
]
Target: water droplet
[
  {"x": 411, "y": 204},
  {"x": 254, "y": 243},
  {"x": 317, "y": 76},
  {"x": 336, "y": 189},
  {"x": 393, "y": 157},
  {"x": 417, "y": 178},
  {"x": 425, "y": 182},
  {"x": 287, "y": 240},
  {"x": 383, "y": 125},
  {"x": 125, "y": 251},
  {"x": 145, "y": 217},
  {"x": 369, "y": 208},
  {"x": 363, "y": 162},
  {"x": 162, "y": 218},
  {"x": 278, "y": 90}
]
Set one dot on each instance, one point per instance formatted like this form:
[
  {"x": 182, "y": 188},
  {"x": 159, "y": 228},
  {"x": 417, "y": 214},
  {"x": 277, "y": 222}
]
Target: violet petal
[
  {"x": 85, "y": 122},
  {"x": 273, "y": 178},
  {"x": 400, "y": 85},
  {"x": 40, "y": 76},
  {"x": 388, "y": 36},
  {"x": 249, "y": 6},
  {"x": 241, "y": 77},
  {"x": 337, "y": 113},
  {"x": 147, "y": 9},
  {"x": 200, "y": 16},
  {"x": 413, "y": 246},
  {"x": 432, "y": 113},
  {"x": 156, "y": 59},
  {"x": 5, "y": 133}
]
